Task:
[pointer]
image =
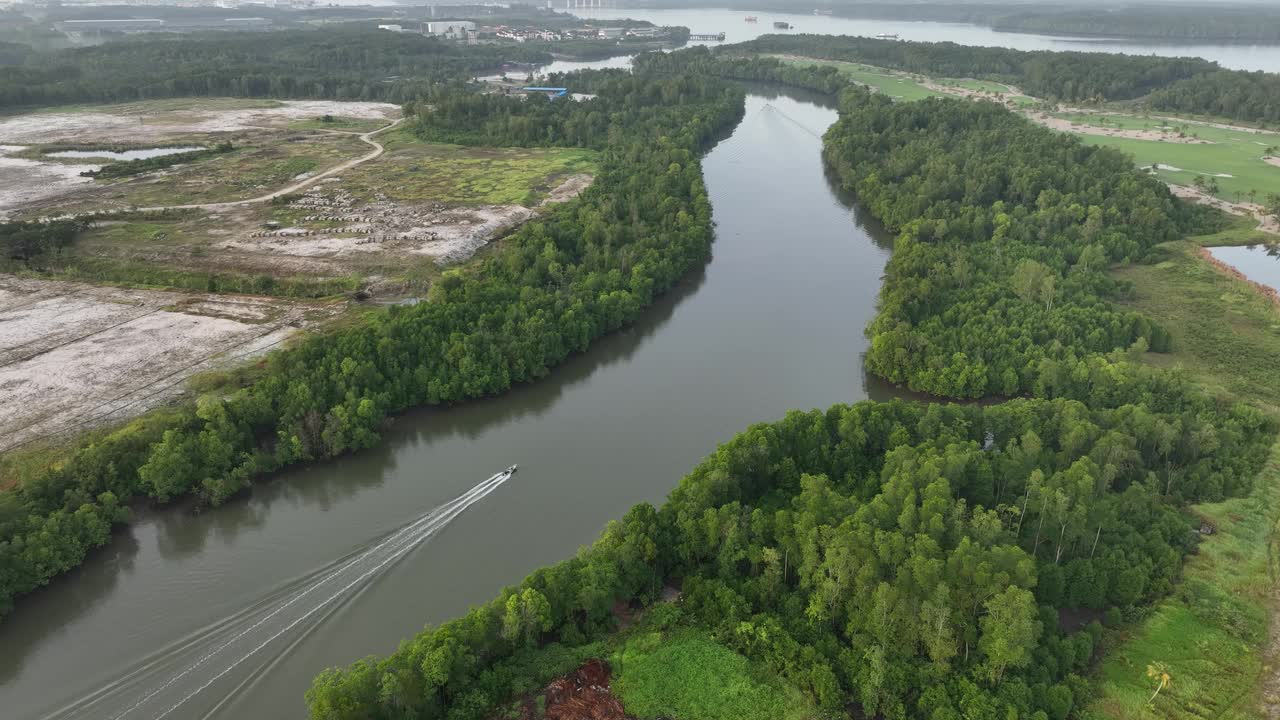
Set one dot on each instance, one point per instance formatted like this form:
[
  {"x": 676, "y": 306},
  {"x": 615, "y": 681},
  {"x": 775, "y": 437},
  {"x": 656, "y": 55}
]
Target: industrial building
[{"x": 449, "y": 29}]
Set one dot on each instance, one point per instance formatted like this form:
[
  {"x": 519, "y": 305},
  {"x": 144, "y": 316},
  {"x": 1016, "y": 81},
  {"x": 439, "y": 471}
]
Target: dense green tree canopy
[
  {"x": 580, "y": 270},
  {"x": 357, "y": 63}
]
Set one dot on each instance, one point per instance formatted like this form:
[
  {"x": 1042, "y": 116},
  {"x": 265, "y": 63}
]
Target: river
[
  {"x": 774, "y": 321},
  {"x": 733, "y": 25}
]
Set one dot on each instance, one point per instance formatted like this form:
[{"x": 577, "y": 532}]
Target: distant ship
[
  {"x": 888, "y": 36},
  {"x": 821, "y": 11},
  {"x": 779, "y": 25},
  {"x": 752, "y": 18}
]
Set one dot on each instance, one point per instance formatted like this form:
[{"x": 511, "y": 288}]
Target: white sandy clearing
[
  {"x": 132, "y": 126},
  {"x": 1272, "y": 160},
  {"x": 74, "y": 355},
  {"x": 1085, "y": 129},
  {"x": 1174, "y": 168},
  {"x": 1266, "y": 222},
  {"x": 446, "y": 234},
  {"x": 24, "y": 181}
]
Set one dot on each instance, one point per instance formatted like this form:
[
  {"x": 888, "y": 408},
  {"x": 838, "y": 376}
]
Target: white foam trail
[
  {"x": 439, "y": 523},
  {"x": 388, "y": 550}
]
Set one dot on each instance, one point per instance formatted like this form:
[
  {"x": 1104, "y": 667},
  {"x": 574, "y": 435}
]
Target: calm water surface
[
  {"x": 775, "y": 321},
  {"x": 125, "y": 154},
  {"x": 1259, "y": 263},
  {"x": 731, "y": 23}
]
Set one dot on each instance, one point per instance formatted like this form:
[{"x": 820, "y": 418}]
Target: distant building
[
  {"x": 391, "y": 28},
  {"x": 449, "y": 29},
  {"x": 610, "y": 33},
  {"x": 647, "y": 32}
]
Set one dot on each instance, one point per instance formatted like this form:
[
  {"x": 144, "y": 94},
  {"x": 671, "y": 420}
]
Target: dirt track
[
  {"x": 296, "y": 187},
  {"x": 1266, "y": 223}
]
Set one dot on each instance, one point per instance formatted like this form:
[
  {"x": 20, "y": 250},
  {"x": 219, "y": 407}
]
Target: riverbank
[
  {"x": 1217, "y": 635},
  {"x": 694, "y": 355}
]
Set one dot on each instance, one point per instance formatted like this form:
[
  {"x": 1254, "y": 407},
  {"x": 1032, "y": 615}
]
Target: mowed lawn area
[
  {"x": 896, "y": 85},
  {"x": 1234, "y": 158}
]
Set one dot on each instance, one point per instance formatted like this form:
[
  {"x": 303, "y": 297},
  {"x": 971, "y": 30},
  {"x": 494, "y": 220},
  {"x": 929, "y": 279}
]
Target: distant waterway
[
  {"x": 141, "y": 154},
  {"x": 773, "y": 322},
  {"x": 733, "y": 24},
  {"x": 1259, "y": 263}
]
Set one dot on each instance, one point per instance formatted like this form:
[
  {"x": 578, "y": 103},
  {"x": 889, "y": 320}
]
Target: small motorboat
[{"x": 512, "y": 470}]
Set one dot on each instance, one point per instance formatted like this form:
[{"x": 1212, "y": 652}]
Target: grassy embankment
[{"x": 1211, "y": 636}]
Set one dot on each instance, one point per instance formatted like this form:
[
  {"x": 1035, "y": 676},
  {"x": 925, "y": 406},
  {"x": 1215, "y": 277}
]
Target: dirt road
[{"x": 366, "y": 138}]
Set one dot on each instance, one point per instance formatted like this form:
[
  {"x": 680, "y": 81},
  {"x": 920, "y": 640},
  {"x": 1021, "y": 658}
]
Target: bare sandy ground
[
  {"x": 448, "y": 234},
  {"x": 1085, "y": 129},
  {"x": 73, "y": 356},
  {"x": 1266, "y": 223},
  {"x": 1271, "y": 160},
  {"x": 25, "y": 181},
  {"x": 152, "y": 125}
]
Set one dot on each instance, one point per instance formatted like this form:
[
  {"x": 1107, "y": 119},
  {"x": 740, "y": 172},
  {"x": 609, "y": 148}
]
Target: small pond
[
  {"x": 1259, "y": 263},
  {"x": 141, "y": 154}
]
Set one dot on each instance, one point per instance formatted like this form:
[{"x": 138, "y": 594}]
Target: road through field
[{"x": 367, "y": 138}]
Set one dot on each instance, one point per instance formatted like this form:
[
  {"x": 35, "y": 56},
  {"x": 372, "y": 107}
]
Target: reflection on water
[
  {"x": 730, "y": 22},
  {"x": 1259, "y": 263},
  {"x": 124, "y": 154},
  {"x": 774, "y": 321}
]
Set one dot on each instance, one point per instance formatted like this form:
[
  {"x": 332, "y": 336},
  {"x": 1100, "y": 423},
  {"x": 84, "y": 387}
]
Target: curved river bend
[{"x": 775, "y": 321}]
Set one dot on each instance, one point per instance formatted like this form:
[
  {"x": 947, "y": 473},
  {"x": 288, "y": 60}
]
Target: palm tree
[{"x": 1157, "y": 671}]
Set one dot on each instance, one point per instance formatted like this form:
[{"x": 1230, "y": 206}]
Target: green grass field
[
  {"x": 685, "y": 674},
  {"x": 897, "y": 86},
  {"x": 1226, "y": 335},
  {"x": 1211, "y": 635},
  {"x": 416, "y": 171},
  {"x": 661, "y": 668},
  {"x": 1234, "y": 159}
]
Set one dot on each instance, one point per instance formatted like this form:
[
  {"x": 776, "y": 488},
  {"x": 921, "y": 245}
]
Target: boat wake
[{"x": 230, "y": 651}]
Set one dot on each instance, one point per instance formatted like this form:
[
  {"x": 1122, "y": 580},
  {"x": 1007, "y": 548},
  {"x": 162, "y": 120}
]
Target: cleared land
[
  {"x": 73, "y": 356},
  {"x": 270, "y": 151},
  {"x": 301, "y": 207},
  {"x": 311, "y": 203}
]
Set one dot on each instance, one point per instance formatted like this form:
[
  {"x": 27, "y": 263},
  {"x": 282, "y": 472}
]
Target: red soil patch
[{"x": 583, "y": 694}]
